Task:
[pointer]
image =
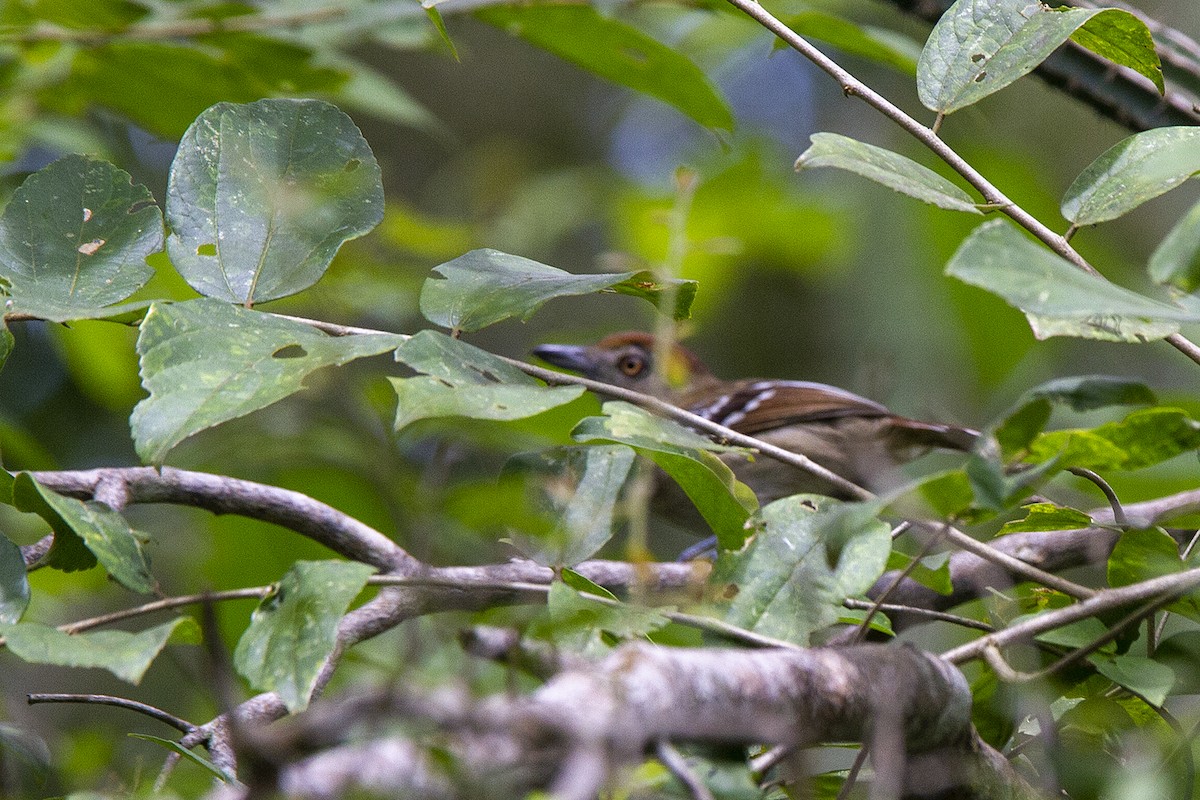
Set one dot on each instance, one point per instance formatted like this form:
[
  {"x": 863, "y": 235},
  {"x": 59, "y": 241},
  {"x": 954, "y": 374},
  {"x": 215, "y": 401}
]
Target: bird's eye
[{"x": 631, "y": 365}]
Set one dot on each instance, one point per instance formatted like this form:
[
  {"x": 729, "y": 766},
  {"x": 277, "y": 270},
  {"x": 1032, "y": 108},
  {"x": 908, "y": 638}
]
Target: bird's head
[{"x": 628, "y": 360}]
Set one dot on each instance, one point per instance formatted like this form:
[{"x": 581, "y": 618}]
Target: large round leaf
[{"x": 262, "y": 195}]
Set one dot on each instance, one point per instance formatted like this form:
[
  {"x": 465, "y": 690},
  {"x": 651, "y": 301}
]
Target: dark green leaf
[
  {"x": 262, "y": 195},
  {"x": 996, "y": 488},
  {"x": 74, "y": 240},
  {"x": 68, "y": 551},
  {"x": 226, "y": 66},
  {"x": 1131, "y": 172},
  {"x": 1058, "y": 298},
  {"x": 885, "y": 167},
  {"x": 14, "y": 582},
  {"x": 190, "y": 755},
  {"x": 1176, "y": 260},
  {"x": 7, "y": 342},
  {"x": 877, "y": 44},
  {"x": 293, "y": 630},
  {"x": 587, "y": 626},
  {"x": 103, "y": 531},
  {"x": 576, "y": 490},
  {"x": 1082, "y": 393},
  {"x": 29, "y": 752},
  {"x": 581, "y": 584},
  {"x": 1140, "y": 555},
  {"x": 617, "y": 52},
  {"x": 126, "y": 655},
  {"x": 460, "y": 380},
  {"x": 723, "y": 501},
  {"x": 1047, "y": 517},
  {"x": 980, "y": 46},
  {"x": 807, "y": 555},
  {"x": 439, "y": 24},
  {"x": 205, "y": 362},
  {"x": 483, "y": 287},
  {"x": 1151, "y": 680},
  {"x": 1142, "y": 439}
]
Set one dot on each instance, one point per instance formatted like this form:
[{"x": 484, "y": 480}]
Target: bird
[{"x": 854, "y": 437}]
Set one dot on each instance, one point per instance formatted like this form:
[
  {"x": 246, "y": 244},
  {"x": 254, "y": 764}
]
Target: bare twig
[
  {"x": 1113, "y": 501},
  {"x": 181, "y": 725},
  {"x": 674, "y": 761}
]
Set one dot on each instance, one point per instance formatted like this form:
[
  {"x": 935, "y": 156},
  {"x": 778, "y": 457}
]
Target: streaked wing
[{"x": 760, "y": 406}]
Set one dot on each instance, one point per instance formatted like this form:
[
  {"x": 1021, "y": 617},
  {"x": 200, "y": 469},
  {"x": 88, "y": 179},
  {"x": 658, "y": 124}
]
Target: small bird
[{"x": 856, "y": 438}]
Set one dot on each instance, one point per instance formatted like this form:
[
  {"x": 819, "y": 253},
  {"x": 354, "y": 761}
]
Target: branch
[
  {"x": 221, "y": 495},
  {"x": 181, "y": 725},
  {"x": 992, "y": 196}
]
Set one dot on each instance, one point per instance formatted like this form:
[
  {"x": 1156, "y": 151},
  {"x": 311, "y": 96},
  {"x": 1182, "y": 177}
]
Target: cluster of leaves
[{"x": 263, "y": 194}]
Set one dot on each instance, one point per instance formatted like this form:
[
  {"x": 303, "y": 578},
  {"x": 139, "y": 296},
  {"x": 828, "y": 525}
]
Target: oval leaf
[
  {"x": 262, "y": 195},
  {"x": 1131, "y": 172},
  {"x": 1176, "y": 261},
  {"x": 104, "y": 532},
  {"x": 205, "y": 362},
  {"x": 617, "y": 52},
  {"x": 808, "y": 554},
  {"x": 74, "y": 240},
  {"x": 14, "y": 582},
  {"x": 883, "y": 166},
  {"x": 980, "y": 46},
  {"x": 485, "y": 286},
  {"x": 293, "y": 631},
  {"x": 459, "y": 380},
  {"x": 577, "y": 488},
  {"x": 126, "y": 655},
  {"x": 1058, "y": 298}
]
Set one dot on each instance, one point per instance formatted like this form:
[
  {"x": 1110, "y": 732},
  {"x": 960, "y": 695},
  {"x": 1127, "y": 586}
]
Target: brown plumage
[{"x": 854, "y": 437}]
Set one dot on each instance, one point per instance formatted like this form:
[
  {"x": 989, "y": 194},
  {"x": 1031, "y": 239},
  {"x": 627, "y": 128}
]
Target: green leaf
[
  {"x": 294, "y": 629},
  {"x": 460, "y": 380},
  {"x": 1030, "y": 414},
  {"x": 1142, "y": 439},
  {"x": 576, "y": 491},
  {"x": 1176, "y": 260},
  {"x": 980, "y": 46},
  {"x": 439, "y": 24},
  {"x": 807, "y": 555},
  {"x": 126, "y": 655},
  {"x": 483, "y": 287},
  {"x": 1140, "y": 555},
  {"x": 1131, "y": 172},
  {"x": 262, "y": 195},
  {"x": 14, "y": 582},
  {"x": 885, "y": 167},
  {"x": 190, "y": 755},
  {"x": 586, "y": 626},
  {"x": 103, "y": 531},
  {"x": 1151, "y": 680},
  {"x": 878, "y": 44},
  {"x": 1047, "y": 517},
  {"x": 617, "y": 52},
  {"x": 932, "y": 572},
  {"x": 205, "y": 362},
  {"x": 723, "y": 501},
  {"x": 1058, "y": 298},
  {"x": 7, "y": 342},
  {"x": 74, "y": 240}
]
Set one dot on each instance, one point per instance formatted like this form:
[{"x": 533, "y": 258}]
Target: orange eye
[{"x": 631, "y": 365}]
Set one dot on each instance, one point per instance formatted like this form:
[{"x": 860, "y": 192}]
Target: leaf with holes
[
  {"x": 808, "y": 553},
  {"x": 293, "y": 630},
  {"x": 483, "y": 287},
  {"x": 205, "y": 362},
  {"x": 1029, "y": 415},
  {"x": 262, "y": 195},
  {"x": 1143, "y": 439},
  {"x": 460, "y": 380},
  {"x": 980, "y": 46},
  {"x": 74, "y": 240},
  {"x": 887, "y": 168}
]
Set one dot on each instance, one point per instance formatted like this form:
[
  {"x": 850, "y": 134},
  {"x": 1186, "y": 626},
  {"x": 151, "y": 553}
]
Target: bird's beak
[{"x": 568, "y": 356}]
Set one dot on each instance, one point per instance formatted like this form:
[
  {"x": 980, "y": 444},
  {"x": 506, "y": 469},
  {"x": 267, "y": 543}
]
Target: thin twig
[
  {"x": 940, "y": 616},
  {"x": 853, "y": 87},
  {"x": 181, "y": 725},
  {"x": 1113, "y": 501},
  {"x": 1016, "y": 565},
  {"x": 674, "y": 761},
  {"x": 252, "y": 593},
  {"x": 861, "y": 631}
]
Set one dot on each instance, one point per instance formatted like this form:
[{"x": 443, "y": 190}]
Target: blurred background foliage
[{"x": 820, "y": 276}]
